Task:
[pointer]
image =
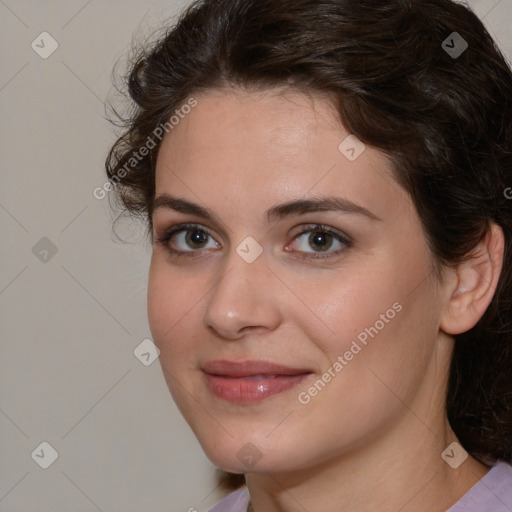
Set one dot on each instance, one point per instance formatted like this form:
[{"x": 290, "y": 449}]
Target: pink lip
[{"x": 250, "y": 381}]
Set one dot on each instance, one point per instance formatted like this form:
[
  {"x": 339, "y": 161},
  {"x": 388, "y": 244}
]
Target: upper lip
[{"x": 249, "y": 368}]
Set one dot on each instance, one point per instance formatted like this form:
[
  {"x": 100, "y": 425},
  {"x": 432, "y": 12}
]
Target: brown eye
[
  {"x": 319, "y": 241},
  {"x": 196, "y": 238},
  {"x": 186, "y": 239}
]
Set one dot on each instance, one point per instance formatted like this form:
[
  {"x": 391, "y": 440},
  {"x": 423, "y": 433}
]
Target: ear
[{"x": 471, "y": 286}]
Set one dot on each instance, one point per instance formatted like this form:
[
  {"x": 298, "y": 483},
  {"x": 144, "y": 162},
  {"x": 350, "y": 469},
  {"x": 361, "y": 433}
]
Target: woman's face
[{"x": 302, "y": 254}]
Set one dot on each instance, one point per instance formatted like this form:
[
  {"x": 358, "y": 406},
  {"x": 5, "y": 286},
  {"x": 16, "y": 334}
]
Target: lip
[{"x": 250, "y": 381}]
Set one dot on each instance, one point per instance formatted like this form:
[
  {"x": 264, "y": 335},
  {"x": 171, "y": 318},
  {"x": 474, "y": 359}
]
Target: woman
[{"x": 327, "y": 188}]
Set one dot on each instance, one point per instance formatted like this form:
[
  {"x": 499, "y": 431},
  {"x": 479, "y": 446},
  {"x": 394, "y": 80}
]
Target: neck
[{"x": 404, "y": 471}]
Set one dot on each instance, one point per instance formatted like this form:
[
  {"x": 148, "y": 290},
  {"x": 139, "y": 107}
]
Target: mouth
[{"x": 251, "y": 381}]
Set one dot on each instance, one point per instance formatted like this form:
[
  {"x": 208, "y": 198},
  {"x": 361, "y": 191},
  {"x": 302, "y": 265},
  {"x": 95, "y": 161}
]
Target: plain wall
[{"x": 72, "y": 320}]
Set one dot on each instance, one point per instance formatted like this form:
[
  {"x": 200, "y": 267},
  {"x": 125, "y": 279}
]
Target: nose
[{"x": 244, "y": 298}]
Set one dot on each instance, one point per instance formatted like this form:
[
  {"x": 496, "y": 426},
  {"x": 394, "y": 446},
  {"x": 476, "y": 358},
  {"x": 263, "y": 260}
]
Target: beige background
[{"x": 70, "y": 324}]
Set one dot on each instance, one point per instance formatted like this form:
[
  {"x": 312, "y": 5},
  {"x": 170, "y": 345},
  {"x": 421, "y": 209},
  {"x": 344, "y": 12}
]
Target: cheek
[
  {"x": 171, "y": 302},
  {"x": 376, "y": 316},
  {"x": 346, "y": 304},
  {"x": 371, "y": 366}
]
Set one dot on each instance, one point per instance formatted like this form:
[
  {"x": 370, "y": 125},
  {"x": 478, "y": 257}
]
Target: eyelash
[{"x": 165, "y": 238}]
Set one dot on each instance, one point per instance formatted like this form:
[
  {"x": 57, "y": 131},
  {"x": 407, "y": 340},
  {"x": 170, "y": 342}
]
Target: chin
[{"x": 248, "y": 458}]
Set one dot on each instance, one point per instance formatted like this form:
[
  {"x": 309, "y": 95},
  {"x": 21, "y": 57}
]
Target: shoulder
[
  {"x": 237, "y": 501},
  {"x": 492, "y": 493}
]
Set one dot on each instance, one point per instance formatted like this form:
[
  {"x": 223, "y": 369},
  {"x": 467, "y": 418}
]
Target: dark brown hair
[{"x": 445, "y": 121}]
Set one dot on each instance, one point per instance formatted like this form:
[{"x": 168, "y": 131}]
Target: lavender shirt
[{"x": 493, "y": 493}]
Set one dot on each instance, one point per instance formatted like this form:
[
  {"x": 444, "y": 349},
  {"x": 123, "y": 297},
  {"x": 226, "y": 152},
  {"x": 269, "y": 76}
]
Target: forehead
[
  {"x": 275, "y": 145},
  {"x": 259, "y": 125}
]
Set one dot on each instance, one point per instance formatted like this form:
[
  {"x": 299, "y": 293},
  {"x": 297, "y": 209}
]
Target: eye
[
  {"x": 321, "y": 239},
  {"x": 187, "y": 238}
]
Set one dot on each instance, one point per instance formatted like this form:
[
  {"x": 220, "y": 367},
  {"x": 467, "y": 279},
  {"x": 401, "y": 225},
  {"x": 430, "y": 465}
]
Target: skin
[{"x": 372, "y": 438}]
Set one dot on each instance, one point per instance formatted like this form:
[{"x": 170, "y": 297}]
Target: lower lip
[{"x": 246, "y": 390}]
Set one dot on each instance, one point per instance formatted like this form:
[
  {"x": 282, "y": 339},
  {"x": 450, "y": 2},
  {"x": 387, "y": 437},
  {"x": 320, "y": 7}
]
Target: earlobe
[{"x": 474, "y": 284}]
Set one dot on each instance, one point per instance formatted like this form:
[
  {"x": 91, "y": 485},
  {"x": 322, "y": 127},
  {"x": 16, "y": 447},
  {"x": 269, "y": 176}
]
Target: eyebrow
[{"x": 294, "y": 207}]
